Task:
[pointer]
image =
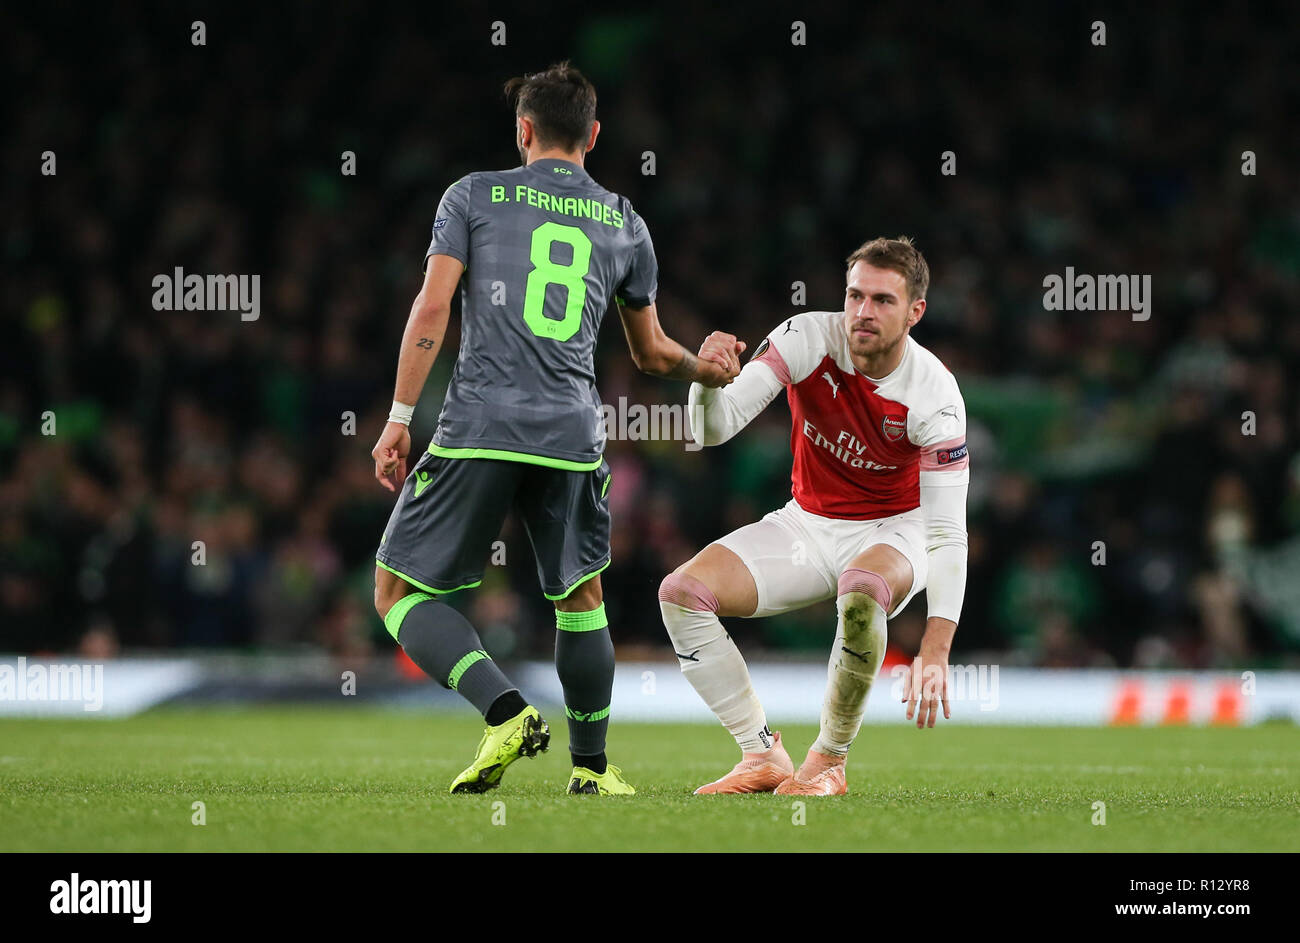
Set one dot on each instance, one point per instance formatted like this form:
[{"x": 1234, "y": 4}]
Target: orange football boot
[
  {"x": 820, "y": 775},
  {"x": 756, "y": 772}
]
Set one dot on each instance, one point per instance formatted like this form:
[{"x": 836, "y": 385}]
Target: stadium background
[{"x": 773, "y": 162}]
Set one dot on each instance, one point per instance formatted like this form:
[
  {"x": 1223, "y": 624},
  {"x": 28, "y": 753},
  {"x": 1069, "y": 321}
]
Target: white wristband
[{"x": 400, "y": 412}]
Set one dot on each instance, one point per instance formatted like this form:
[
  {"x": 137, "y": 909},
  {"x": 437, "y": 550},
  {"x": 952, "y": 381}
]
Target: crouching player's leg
[
  {"x": 868, "y": 589},
  {"x": 717, "y": 583}
]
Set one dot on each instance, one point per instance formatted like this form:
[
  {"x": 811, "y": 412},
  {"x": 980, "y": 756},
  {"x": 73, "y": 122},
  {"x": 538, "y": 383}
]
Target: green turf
[{"x": 360, "y": 779}]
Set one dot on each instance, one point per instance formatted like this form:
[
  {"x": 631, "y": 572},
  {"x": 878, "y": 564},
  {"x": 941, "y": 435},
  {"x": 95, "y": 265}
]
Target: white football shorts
[{"x": 796, "y": 557}]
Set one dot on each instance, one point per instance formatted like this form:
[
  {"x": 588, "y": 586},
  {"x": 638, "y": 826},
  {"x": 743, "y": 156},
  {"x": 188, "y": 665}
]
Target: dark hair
[
  {"x": 901, "y": 256},
  {"x": 561, "y": 103}
]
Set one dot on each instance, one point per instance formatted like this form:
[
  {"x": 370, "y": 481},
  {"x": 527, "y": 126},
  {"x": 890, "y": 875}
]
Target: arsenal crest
[{"x": 894, "y": 427}]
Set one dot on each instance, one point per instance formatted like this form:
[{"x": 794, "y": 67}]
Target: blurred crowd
[{"x": 188, "y": 479}]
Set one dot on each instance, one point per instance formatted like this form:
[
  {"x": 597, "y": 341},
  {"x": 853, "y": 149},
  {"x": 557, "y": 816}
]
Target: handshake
[{"x": 719, "y": 360}]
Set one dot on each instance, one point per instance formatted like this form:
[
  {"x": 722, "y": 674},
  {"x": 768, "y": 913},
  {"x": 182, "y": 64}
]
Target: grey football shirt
[{"x": 546, "y": 251}]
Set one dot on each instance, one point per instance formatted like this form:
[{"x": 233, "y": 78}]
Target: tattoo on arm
[
  {"x": 686, "y": 369},
  {"x": 426, "y": 342}
]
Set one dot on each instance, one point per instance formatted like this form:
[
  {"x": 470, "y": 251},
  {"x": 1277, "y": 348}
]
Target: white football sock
[
  {"x": 860, "y": 639},
  {"x": 713, "y": 665}
]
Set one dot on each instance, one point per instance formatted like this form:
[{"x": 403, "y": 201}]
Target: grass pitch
[{"x": 353, "y": 779}]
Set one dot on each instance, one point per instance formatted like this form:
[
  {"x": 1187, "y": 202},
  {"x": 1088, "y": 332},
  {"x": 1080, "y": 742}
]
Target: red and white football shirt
[{"x": 861, "y": 444}]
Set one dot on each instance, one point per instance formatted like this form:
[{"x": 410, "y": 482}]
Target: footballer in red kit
[{"x": 878, "y": 513}]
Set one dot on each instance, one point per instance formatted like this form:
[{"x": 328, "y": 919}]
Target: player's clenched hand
[
  {"x": 925, "y": 686},
  {"x": 390, "y": 454},
  {"x": 723, "y": 351}
]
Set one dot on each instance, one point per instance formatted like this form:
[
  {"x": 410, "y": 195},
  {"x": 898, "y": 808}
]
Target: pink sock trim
[
  {"x": 687, "y": 592},
  {"x": 871, "y": 584}
]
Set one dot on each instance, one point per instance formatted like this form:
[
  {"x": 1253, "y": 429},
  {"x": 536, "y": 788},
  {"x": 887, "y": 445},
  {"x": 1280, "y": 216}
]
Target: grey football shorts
[{"x": 439, "y": 536}]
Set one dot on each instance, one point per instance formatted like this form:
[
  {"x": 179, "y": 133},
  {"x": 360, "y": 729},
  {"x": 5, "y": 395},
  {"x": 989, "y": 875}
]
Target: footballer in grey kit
[
  {"x": 540, "y": 253},
  {"x": 551, "y": 249}
]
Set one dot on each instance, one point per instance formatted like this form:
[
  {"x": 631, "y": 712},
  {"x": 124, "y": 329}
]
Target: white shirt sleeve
[
  {"x": 786, "y": 356},
  {"x": 717, "y": 415},
  {"x": 943, "y": 500},
  {"x": 945, "y": 479}
]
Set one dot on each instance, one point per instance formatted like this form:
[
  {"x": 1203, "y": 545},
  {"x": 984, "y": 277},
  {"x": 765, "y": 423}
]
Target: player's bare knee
[
  {"x": 584, "y": 598},
  {"x": 389, "y": 589},
  {"x": 729, "y": 585},
  {"x": 680, "y": 588},
  {"x": 900, "y": 579},
  {"x": 890, "y": 565},
  {"x": 857, "y": 585},
  {"x": 382, "y": 602}
]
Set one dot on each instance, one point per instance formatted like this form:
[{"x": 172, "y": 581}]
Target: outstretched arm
[
  {"x": 657, "y": 354},
  {"x": 717, "y": 415}
]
